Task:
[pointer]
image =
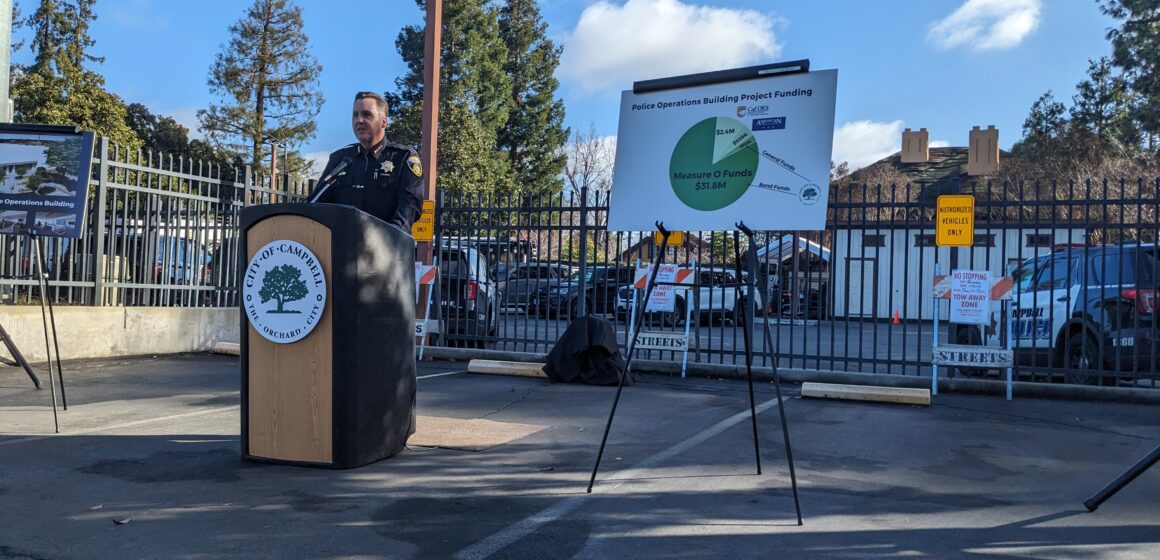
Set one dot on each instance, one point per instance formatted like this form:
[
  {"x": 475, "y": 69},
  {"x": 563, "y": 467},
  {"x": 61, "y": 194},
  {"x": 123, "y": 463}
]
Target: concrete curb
[
  {"x": 1021, "y": 389},
  {"x": 230, "y": 348}
]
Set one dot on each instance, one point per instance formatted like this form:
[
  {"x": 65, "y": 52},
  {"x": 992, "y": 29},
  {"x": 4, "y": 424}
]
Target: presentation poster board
[
  {"x": 44, "y": 179},
  {"x": 706, "y": 157}
]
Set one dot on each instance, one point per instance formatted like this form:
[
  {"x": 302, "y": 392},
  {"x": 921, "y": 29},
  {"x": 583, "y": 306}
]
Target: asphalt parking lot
[{"x": 147, "y": 465}]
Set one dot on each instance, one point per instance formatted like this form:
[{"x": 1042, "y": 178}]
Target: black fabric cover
[{"x": 587, "y": 353}]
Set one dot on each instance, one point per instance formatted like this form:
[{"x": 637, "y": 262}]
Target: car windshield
[{"x": 575, "y": 277}]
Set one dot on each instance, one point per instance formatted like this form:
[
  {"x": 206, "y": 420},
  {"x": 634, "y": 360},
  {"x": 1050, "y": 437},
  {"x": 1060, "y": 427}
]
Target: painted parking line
[
  {"x": 161, "y": 419},
  {"x": 441, "y": 374},
  {"x": 528, "y": 525},
  {"x": 126, "y": 424}
]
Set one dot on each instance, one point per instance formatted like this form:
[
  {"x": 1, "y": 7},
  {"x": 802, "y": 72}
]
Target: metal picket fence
[
  {"x": 855, "y": 297},
  {"x": 516, "y": 269},
  {"x": 158, "y": 231}
]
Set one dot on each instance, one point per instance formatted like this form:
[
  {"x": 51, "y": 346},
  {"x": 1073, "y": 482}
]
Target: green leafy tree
[
  {"x": 284, "y": 284},
  {"x": 268, "y": 83},
  {"x": 64, "y": 155},
  {"x": 158, "y": 133},
  {"x": 1136, "y": 49},
  {"x": 58, "y": 88},
  {"x": 534, "y": 135},
  {"x": 475, "y": 97}
]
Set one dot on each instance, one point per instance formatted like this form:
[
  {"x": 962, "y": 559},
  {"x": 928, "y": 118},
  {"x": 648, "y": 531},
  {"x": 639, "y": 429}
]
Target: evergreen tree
[
  {"x": 534, "y": 135},
  {"x": 474, "y": 97},
  {"x": 1136, "y": 49},
  {"x": 268, "y": 81},
  {"x": 57, "y": 88},
  {"x": 1102, "y": 106}
]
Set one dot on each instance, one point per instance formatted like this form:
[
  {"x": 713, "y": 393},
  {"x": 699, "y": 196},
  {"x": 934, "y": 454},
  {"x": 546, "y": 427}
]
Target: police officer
[{"x": 382, "y": 178}]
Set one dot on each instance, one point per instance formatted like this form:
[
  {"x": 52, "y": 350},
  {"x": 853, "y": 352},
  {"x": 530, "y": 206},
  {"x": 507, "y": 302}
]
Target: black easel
[
  {"x": 48, "y": 316},
  {"x": 750, "y": 302},
  {"x": 748, "y": 366},
  {"x": 16, "y": 355},
  {"x": 1119, "y": 483}
]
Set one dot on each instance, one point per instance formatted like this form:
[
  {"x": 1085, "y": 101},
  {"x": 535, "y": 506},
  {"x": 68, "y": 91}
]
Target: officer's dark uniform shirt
[{"x": 385, "y": 182}]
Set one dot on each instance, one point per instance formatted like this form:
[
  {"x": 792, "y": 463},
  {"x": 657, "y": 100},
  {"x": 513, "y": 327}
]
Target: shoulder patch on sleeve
[{"x": 414, "y": 165}]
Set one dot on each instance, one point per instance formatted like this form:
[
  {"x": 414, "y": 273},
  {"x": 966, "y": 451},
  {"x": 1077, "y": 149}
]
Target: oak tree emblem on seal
[{"x": 284, "y": 291}]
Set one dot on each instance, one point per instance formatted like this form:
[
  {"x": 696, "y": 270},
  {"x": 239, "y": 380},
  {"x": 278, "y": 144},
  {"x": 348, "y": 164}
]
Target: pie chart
[{"x": 713, "y": 163}]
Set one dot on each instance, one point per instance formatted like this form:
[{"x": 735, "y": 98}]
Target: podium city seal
[{"x": 284, "y": 291}]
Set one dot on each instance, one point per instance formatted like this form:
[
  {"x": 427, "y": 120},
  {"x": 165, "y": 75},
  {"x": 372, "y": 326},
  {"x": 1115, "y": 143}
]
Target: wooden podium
[{"x": 343, "y": 395}]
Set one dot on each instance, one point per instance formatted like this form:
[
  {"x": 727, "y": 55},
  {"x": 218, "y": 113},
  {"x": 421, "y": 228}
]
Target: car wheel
[
  {"x": 969, "y": 336},
  {"x": 677, "y": 317},
  {"x": 1081, "y": 358},
  {"x": 739, "y": 312},
  {"x": 574, "y": 308}
]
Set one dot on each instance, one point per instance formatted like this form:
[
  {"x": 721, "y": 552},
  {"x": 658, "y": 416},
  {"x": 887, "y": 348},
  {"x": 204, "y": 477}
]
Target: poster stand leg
[
  {"x": 750, "y": 302},
  {"x": 16, "y": 355},
  {"x": 747, "y": 328},
  {"x": 44, "y": 315},
  {"x": 1119, "y": 483},
  {"x": 631, "y": 348}
]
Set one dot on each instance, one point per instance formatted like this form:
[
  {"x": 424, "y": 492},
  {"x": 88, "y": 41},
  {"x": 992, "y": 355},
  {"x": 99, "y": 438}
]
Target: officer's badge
[
  {"x": 387, "y": 167},
  {"x": 414, "y": 165}
]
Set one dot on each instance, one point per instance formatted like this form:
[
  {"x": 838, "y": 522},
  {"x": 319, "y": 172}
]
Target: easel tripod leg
[
  {"x": 747, "y": 337},
  {"x": 631, "y": 347},
  {"x": 16, "y": 355},
  {"x": 776, "y": 384},
  {"x": 44, "y": 319},
  {"x": 1119, "y": 483}
]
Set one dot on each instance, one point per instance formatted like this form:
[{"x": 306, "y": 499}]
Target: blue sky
[{"x": 945, "y": 65}]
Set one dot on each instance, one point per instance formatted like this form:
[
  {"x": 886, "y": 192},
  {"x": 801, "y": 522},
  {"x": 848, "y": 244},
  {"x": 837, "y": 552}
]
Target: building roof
[{"x": 944, "y": 163}]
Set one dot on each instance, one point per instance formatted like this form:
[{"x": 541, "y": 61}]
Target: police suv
[{"x": 1087, "y": 309}]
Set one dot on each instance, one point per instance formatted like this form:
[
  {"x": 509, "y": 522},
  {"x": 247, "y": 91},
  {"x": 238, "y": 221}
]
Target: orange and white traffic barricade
[
  {"x": 971, "y": 293},
  {"x": 425, "y": 276},
  {"x": 671, "y": 279}
]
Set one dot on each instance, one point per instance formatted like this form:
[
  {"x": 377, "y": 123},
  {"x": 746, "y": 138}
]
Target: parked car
[
  {"x": 1085, "y": 310},
  {"x": 717, "y": 296},
  {"x": 467, "y": 296},
  {"x": 601, "y": 284},
  {"x": 524, "y": 280}
]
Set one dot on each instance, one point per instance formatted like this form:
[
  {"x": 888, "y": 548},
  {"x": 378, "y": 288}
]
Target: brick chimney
[
  {"x": 983, "y": 151},
  {"x": 915, "y": 146}
]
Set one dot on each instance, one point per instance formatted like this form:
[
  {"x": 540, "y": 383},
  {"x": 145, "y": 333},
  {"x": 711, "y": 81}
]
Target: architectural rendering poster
[
  {"x": 706, "y": 157},
  {"x": 44, "y": 179}
]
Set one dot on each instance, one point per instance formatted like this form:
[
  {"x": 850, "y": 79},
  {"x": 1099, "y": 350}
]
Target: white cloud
[
  {"x": 861, "y": 143},
  {"x": 614, "y": 45},
  {"x": 185, "y": 116},
  {"x": 137, "y": 15},
  {"x": 318, "y": 159},
  {"x": 986, "y": 24}
]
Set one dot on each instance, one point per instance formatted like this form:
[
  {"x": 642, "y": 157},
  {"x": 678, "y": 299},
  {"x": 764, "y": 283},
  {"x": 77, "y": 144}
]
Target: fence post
[
  {"x": 248, "y": 183},
  {"x": 99, "y": 223},
  {"x": 582, "y": 295}
]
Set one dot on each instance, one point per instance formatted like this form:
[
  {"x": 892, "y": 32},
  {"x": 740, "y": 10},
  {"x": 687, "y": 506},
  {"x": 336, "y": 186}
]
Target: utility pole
[
  {"x": 432, "y": 44},
  {"x": 433, "y": 41}
]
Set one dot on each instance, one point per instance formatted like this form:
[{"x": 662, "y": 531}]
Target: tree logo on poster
[{"x": 284, "y": 291}]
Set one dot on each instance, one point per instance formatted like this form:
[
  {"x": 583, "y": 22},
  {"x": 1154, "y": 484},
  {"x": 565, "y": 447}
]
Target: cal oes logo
[{"x": 284, "y": 291}]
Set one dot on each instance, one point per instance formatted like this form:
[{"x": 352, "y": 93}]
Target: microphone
[{"x": 330, "y": 177}]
